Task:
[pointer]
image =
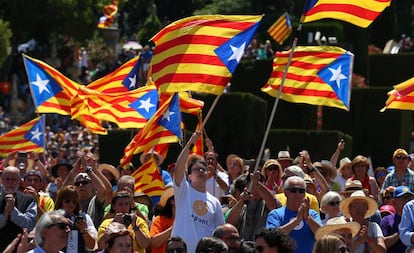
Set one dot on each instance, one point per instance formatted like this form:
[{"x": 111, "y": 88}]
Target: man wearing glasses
[
  {"x": 296, "y": 219},
  {"x": 401, "y": 174}
]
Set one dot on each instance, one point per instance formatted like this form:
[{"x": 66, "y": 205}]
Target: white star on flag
[
  {"x": 133, "y": 81},
  {"x": 41, "y": 84},
  {"x": 167, "y": 114},
  {"x": 337, "y": 76},
  {"x": 36, "y": 134},
  {"x": 146, "y": 104},
  {"x": 237, "y": 52}
]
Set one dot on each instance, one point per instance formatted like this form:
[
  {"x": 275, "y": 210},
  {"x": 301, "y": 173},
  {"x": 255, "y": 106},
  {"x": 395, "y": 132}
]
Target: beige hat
[
  {"x": 358, "y": 195},
  {"x": 146, "y": 155},
  {"x": 344, "y": 162},
  {"x": 337, "y": 223},
  {"x": 296, "y": 170},
  {"x": 284, "y": 155},
  {"x": 168, "y": 193},
  {"x": 110, "y": 168},
  {"x": 352, "y": 186}
]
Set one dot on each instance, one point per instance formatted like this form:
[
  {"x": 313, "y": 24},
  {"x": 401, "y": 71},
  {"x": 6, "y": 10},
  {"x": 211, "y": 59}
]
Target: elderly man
[
  {"x": 296, "y": 219},
  {"x": 17, "y": 210},
  {"x": 229, "y": 234},
  {"x": 401, "y": 175}
]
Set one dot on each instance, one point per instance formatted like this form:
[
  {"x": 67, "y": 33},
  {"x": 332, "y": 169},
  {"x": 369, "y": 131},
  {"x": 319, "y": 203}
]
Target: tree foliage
[{"x": 5, "y": 35}]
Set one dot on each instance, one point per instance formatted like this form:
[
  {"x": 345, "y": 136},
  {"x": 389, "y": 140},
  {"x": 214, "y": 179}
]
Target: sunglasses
[
  {"x": 296, "y": 190},
  {"x": 81, "y": 183},
  {"x": 272, "y": 168},
  {"x": 334, "y": 203},
  {"x": 400, "y": 157},
  {"x": 343, "y": 249},
  {"x": 380, "y": 174},
  {"x": 60, "y": 225},
  {"x": 175, "y": 250},
  {"x": 203, "y": 169},
  {"x": 67, "y": 201}
]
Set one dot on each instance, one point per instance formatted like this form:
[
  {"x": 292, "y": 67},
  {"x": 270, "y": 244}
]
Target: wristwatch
[{"x": 89, "y": 169}]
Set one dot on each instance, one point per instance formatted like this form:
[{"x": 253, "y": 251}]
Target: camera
[
  {"x": 21, "y": 160},
  {"x": 127, "y": 219},
  {"x": 78, "y": 218}
]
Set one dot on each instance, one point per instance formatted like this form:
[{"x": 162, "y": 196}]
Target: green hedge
[{"x": 390, "y": 69}]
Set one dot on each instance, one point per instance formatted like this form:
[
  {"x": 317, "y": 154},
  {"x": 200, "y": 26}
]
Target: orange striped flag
[
  {"x": 27, "y": 137},
  {"x": 52, "y": 92},
  {"x": 200, "y": 53},
  {"x": 148, "y": 179},
  {"x": 281, "y": 29},
  {"x": 401, "y": 97},
  {"x": 357, "y": 12},
  {"x": 163, "y": 127},
  {"x": 318, "y": 75},
  {"x": 129, "y": 109},
  {"x": 198, "y": 147},
  {"x": 124, "y": 78}
]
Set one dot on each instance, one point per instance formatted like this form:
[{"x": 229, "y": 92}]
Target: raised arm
[{"x": 181, "y": 163}]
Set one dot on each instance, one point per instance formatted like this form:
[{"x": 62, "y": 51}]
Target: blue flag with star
[
  {"x": 146, "y": 105},
  {"x": 27, "y": 137},
  {"x": 171, "y": 118},
  {"x": 338, "y": 75},
  {"x": 132, "y": 80},
  {"x": 231, "y": 52},
  {"x": 43, "y": 85}
]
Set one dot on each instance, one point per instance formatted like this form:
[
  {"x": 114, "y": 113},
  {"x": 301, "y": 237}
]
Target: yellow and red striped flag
[
  {"x": 401, "y": 97},
  {"x": 200, "y": 53},
  {"x": 281, "y": 29},
  {"x": 163, "y": 127},
  {"x": 123, "y": 79},
  {"x": 198, "y": 147},
  {"x": 318, "y": 75},
  {"x": 130, "y": 109},
  {"x": 357, "y": 12},
  {"x": 52, "y": 92},
  {"x": 148, "y": 179},
  {"x": 27, "y": 137}
]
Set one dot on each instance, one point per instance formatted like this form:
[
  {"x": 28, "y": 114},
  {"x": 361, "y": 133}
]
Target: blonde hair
[{"x": 328, "y": 244}]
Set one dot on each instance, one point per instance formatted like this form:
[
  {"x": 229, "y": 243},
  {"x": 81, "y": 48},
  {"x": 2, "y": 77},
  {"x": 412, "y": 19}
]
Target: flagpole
[
  {"x": 210, "y": 111},
  {"x": 272, "y": 114}
]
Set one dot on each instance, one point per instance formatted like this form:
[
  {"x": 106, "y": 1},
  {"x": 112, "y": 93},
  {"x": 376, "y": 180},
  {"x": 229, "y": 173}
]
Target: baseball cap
[
  {"x": 400, "y": 151},
  {"x": 401, "y": 190},
  {"x": 33, "y": 173},
  {"x": 387, "y": 209}
]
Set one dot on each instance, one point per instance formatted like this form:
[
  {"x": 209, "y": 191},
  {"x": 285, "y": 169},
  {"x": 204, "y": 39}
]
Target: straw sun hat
[
  {"x": 358, "y": 195},
  {"x": 337, "y": 223}
]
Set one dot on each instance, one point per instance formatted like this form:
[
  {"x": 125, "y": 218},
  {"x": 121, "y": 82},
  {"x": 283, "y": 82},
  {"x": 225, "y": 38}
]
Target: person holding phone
[{"x": 83, "y": 234}]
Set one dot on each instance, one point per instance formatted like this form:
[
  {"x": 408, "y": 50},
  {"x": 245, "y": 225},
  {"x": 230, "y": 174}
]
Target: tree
[{"x": 5, "y": 35}]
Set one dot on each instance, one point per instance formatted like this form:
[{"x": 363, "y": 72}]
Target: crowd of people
[{"x": 66, "y": 200}]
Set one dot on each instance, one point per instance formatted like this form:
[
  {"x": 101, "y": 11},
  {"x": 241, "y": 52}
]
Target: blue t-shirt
[{"x": 301, "y": 234}]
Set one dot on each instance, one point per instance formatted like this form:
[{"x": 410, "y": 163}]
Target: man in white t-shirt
[{"x": 198, "y": 212}]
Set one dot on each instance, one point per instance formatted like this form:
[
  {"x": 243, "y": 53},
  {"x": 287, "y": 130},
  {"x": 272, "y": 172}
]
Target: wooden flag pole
[
  {"x": 210, "y": 111},
  {"x": 272, "y": 114}
]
